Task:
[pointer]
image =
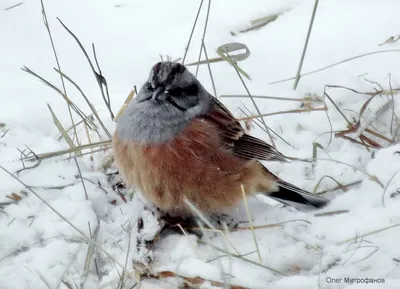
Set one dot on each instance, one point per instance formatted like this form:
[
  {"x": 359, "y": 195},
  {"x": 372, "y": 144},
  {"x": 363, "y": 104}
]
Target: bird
[{"x": 176, "y": 143}]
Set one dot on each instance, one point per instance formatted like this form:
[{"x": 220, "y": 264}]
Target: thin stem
[
  {"x": 252, "y": 99},
  {"x": 191, "y": 33},
  {"x": 204, "y": 35},
  {"x": 298, "y": 74},
  {"x": 209, "y": 69}
]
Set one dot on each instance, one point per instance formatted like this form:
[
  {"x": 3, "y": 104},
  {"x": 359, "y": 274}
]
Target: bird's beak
[{"x": 158, "y": 94}]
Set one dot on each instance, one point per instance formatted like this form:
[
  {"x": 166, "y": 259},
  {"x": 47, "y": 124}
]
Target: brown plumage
[{"x": 206, "y": 161}]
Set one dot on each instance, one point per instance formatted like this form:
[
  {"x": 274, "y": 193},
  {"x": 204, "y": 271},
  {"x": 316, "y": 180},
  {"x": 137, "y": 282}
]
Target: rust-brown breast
[{"x": 196, "y": 165}]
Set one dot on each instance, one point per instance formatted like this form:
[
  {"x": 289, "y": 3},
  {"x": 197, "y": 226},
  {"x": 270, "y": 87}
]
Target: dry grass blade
[
  {"x": 74, "y": 107},
  {"x": 259, "y": 123},
  {"x": 81, "y": 177},
  {"x": 364, "y": 127},
  {"x": 281, "y": 112},
  {"x": 342, "y": 187},
  {"x": 269, "y": 225},
  {"x": 41, "y": 277},
  {"x": 364, "y": 141},
  {"x": 209, "y": 70},
  {"x": 122, "y": 280},
  {"x": 378, "y": 135},
  {"x": 394, "y": 115},
  {"x": 99, "y": 77},
  {"x": 226, "y": 49},
  {"x": 61, "y": 129},
  {"x": 273, "y": 97},
  {"x": 69, "y": 151},
  {"x": 355, "y": 183},
  {"x": 240, "y": 257},
  {"x": 315, "y": 155},
  {"x": 204, "y": 35},
  {"x": 77, "y": 151},
  {"x": 356, "y": 127},
  {"x": 334, "y": 104},
  {"x": 364, "y": 106},
  {"x": 387, "y": 185},
  {"x": 5, "y": 132},
  {"x": 46, "y": 24},
  {"x": 89, "y": 254},
  {"x": 190, "y": 282},
  {"x": 125, "y": 105},
  {"x": 371, "y": 177},
  {"x": 368, "y": 234},
  {"x": 63, "y": 280},
  {"x": 252, "y": 99},
  {"x": 191, "y": 33},
  {"x": 250, "y": 222},
  {"x": 87, "y": 101},
  {"x": 204, "y": 219},
  {"x": 335, "y": 64},
  {"x": 13, "y": 6},
  {"x": 391, "y": 39},
  {"x": 76, "y": 126},
  {"x": 298, "y": 74},
  {"x": 333, "y": 213},
  {"x": 370, "y": 93},
  {"x": 258, "y": 23},
  {"x": 103, "y": 82},
  {"x": 231, "y": 47}
]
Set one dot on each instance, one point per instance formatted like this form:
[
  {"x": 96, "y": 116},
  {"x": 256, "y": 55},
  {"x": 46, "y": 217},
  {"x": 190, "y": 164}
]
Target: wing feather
[{"x": 235, "y": 137}]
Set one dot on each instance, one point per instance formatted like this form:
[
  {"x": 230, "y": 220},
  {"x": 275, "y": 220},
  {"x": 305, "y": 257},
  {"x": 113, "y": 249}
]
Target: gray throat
[{"x": 150, "y": 123}]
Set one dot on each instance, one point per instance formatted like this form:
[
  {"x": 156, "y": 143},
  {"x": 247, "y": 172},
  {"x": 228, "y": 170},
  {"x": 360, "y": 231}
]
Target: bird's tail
[{"x": 296, "y": 197}]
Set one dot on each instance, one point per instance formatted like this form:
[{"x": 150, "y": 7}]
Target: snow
[{"x": 38, "y": 249}]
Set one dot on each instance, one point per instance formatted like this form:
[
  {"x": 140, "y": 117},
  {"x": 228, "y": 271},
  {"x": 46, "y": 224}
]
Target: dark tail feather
[{"x": 294, "y": 196}]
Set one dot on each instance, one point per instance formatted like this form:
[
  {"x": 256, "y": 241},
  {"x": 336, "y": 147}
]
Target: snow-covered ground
[{"x": 38, "y": 249}]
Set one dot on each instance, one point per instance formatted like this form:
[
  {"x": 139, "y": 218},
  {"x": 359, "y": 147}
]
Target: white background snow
[{"x": 38, "y": 249}]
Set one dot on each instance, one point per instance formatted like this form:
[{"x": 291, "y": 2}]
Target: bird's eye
[
  {"x": 192, "y": 89},
  {"x": 150, "y": 87},
  {"x": 177, "y": 91}
]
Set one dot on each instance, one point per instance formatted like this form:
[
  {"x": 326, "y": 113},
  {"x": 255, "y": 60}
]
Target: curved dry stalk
[
  {"x": 99, "y": 77},
  {"x": 342, "y": 187}
]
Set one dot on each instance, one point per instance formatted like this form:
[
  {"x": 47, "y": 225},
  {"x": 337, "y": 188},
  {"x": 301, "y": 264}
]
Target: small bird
[{"x": 175, "y": 141}]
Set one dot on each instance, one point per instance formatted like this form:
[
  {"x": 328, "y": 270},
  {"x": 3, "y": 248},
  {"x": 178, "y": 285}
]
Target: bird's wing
[{"x": 235, "y": 137}]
